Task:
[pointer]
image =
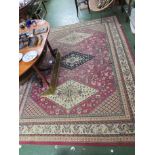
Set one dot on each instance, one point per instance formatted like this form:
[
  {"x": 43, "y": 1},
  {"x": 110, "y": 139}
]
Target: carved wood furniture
[
  {"x": 25, "y": 66},
  {"x": 79, "y": 2},
  {"x": 32, "y": 8},
  {"x": 93, "y": 4},
  {"x": 127, "y": 9}
]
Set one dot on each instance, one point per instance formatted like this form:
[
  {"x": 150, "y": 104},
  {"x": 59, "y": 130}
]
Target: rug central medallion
[
  {"x": 75, "y": 59},
  {"x": 71, "y": 93},
  {"x": 74, "y": 38}
]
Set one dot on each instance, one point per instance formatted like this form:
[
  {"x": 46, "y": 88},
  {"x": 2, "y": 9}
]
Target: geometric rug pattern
[
  {"x": 74, "y": 59},
  {"x": 94, "y": 101},
  {"x": 71, "y": 93},
  {"x": 74, "y": 38}
]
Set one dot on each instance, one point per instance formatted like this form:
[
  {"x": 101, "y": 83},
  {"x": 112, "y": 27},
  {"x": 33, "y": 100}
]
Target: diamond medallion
[
  {"x": 74, "y": 38},
  {"x": 71, "y": 93},
  {"x": 75, "y": 59}
]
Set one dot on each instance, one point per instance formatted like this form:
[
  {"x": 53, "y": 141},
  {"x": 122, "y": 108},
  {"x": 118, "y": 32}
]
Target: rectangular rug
[{"x": 94, "y": 101}]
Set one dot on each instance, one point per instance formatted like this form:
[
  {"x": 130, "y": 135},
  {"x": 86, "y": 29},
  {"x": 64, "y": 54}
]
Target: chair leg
[
  {"x": 76, "y": 4},
  {"x": 101, "y": 16},
  {"x": 44, "y": 7},
  {"x": 126, "y": 18},
  {"x": 122, "y": 3},
  {"x": 37, "y": 16},
  {"x": 91, "y": 15},
  {"x": 52, "y": 51},
  {"x": 88, "y": 6},
  {"x": 129, "y": 8},
  {"x": 113, "y": 6}
]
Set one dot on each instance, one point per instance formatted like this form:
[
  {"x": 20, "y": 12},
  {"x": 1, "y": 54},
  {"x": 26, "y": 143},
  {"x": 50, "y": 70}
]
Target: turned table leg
[
  {"x": 52, "y": 51},
  {"x": 40, "y": 75}
]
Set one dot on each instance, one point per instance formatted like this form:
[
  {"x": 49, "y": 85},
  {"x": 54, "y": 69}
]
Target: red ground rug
[{"x": 94, "y": 101}]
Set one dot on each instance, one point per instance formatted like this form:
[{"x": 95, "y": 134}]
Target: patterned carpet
[{"x": 94, "y": 100}]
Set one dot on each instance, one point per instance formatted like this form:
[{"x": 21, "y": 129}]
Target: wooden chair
[
  {"x": 127, "y": 9},
  {"x": 100, "y": 5},
  {"x": 79, "y": 2},
  {"x": 39, "y": 10}
]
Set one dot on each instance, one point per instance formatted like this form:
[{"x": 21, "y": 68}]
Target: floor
[
  {"x": 63, "y": 12},
  {"x": 76, "y": 150}
]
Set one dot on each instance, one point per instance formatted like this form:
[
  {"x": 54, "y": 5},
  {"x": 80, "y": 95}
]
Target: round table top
[
  {"x": 93, "y": 5},
  {"x": 24, "y": 66}
]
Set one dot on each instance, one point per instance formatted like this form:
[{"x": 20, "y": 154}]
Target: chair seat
[
  {"x": 82, "y": 1},
  {"x": 79, "y": 3},
  {"x": 83, "y": 6},
  {"x": 93, "y": 4}
]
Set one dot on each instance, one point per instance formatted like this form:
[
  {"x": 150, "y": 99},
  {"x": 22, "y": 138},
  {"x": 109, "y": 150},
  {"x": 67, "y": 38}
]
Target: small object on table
[
  {"x": 22, "y": 45},
  {"x": 41, "y": 39},
  {"x": 29, "y": 56},
  {"x": 22, "y": 25},
  {"x": 34, "y": 23},
  {"x": 28, "y": 23},
  {"x": 23, "y": 40},
  {"x": 23, "y": 35},
  {"x": 41, "y": 30},
  {"x": 33, "y": 41},
  {"x": 33, "y": 31},
  {"x": 20, "y": 56}
]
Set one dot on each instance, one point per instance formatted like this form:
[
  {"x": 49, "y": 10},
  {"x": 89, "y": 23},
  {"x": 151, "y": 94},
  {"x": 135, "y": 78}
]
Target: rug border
[
  {"x": 126, "y": 39},
  {"x": 130, "y": 144}
]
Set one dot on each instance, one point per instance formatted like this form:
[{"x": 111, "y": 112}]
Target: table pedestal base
[
  {"x": 40, "y": 75},
  {"x": 38, "y": 70}
]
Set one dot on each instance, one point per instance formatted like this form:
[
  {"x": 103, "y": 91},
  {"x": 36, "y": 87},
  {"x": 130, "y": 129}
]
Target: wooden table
[{"x": 25, "y": 66}]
